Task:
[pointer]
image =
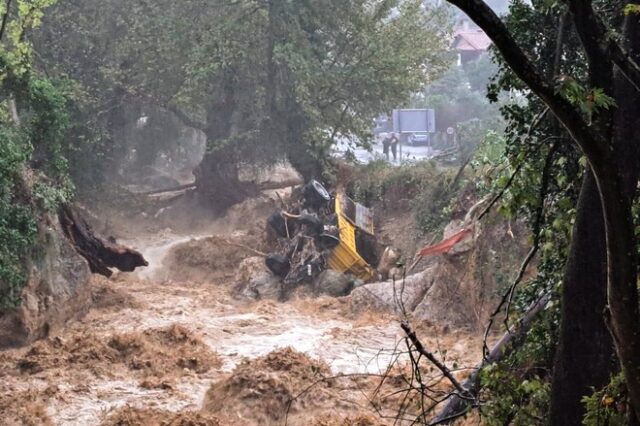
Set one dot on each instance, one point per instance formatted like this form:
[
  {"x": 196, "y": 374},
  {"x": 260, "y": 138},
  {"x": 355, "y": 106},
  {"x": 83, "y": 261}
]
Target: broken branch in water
[
  {"x": 99, "y": 253},
  {"x": 411, "y": 335}
]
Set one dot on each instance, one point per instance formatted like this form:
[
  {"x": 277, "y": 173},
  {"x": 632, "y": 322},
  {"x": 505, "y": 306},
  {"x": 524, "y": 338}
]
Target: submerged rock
[
  {"x": 333, "y": 283},
  {"x": 264, "y": 286}
]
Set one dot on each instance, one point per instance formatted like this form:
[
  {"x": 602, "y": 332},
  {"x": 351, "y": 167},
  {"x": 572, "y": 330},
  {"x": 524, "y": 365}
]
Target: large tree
[
  {"x": 600, "y": 120},
  {"x": 262, "y": 79}
]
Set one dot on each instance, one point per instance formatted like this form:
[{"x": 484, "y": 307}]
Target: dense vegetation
[
  {"x": 93, "y": 93},
  {"x": 33, "y": 168}
]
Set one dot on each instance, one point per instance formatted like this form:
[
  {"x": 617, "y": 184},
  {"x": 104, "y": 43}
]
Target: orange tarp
[{"x": 445, "y": 245}]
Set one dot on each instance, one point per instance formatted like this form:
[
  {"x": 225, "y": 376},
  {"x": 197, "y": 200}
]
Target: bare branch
[
  {"x": 424, "y": 352},
  {"x": 499, "y": 195},
  {"x": 507, "y": 297},
  {"x": 186, "y": 119},
  {"x": 458, "y": 406}
]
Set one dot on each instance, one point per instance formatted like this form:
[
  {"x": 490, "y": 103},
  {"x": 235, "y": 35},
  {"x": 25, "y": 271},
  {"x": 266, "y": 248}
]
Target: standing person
[
  {"x": 394, "y": 146},
  {"x": 386, "y": 141}
]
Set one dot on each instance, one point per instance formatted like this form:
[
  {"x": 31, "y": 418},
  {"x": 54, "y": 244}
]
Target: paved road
[{"x": 409, "y": 153}]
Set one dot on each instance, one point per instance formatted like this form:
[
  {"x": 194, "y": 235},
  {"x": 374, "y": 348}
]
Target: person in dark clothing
[
  {"x": 386, "y": 142},
  {"x": 394, "y": 141}
]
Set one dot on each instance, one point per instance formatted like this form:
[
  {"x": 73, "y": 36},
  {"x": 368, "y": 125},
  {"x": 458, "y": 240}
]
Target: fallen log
[
  {"x": 101, "y": 254},
  {"x": 264, "y": 186},
  {"x": 458, "y": 405},
  {"x": 172, "y": 189}
]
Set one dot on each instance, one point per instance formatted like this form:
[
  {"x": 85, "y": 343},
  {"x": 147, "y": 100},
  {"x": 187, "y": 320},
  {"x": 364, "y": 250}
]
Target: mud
[
  {"x": 173, "y": 345},
  {"x": 157, "y": 353},
  {"x": 130, "y": 416},
  {"x": 260, "y": 391},
  {"x": 25, "y": 408},
  {"x": 211, "y": 259}
]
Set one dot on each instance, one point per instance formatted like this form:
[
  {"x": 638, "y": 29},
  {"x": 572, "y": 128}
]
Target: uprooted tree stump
[{"x": 100, "y": 253}]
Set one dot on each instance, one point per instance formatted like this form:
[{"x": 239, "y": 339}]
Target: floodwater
[{"x": 232, "y": 329}]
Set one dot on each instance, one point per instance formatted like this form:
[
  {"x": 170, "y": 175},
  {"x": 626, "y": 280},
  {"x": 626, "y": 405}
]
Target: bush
[
  {"x": 33, "y": 173},
  {"x": 427, "y": 189},
  {"x": 17, "y": 223},
  {"x": 607, "y": 407}
]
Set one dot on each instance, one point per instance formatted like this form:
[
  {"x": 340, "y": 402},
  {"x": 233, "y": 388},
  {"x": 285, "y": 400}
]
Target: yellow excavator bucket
[{"x": 345, "y": 257}]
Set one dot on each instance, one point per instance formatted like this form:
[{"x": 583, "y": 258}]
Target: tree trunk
[
  {"x": 99, "y": 253},
  {"x": 304, "y": 161},
  {"x": 615, "y": 170},
  {"x": 618, "y": 190},
  {"x": 218, "y": 185},
  {"x": 584, "y": 338},
  {"x": 285, "y": 124}
]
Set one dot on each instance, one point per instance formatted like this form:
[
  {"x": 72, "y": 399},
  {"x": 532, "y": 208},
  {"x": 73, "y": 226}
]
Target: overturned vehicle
[{"x": 322, "y": 240}]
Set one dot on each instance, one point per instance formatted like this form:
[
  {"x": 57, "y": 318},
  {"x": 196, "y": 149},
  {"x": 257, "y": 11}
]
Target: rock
[
  {"x": 394, "y": 296},
  {"x": 463, "y": 245},
  {"x": 264, "y": 286},
  {"x": 254, "y": 281},
  {"x": 332, "y": 283},
  {"x": 453, "y": 299},
  {"x": 56, "y": 291},
  {"x": 250, "y": 268},
  {"x": 388, "y": 261}
]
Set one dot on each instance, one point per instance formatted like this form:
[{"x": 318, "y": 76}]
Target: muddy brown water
[{"x": 234, "y": 329}]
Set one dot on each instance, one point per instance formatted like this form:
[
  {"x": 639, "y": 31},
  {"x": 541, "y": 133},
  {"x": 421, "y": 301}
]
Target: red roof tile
[{"x": 471, "y": 41}]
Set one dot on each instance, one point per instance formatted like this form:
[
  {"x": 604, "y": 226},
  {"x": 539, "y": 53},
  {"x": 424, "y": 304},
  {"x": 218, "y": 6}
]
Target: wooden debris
[{"x": 100, "y": 253}]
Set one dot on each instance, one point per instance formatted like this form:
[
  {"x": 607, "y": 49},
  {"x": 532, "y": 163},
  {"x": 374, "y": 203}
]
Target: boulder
[
  {"x": 464, "y": 245},
  {"x": 388, "y": 261},
  {"x": 250, "y": 268},
  {"x": 264, "y": 286},
  {"x": 332, "y": 283},
  {"x": 393, "y": 295}
]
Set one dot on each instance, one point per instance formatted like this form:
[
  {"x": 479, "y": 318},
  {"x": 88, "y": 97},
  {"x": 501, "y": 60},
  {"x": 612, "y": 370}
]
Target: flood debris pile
[
  {"x": 154, "y": 356},
  {"x": 266, "y": 390},
  {"x": 323, "y": 242},
  {"x": 132, "y": 416},
  {"x": 25, "y": 407},
  {"x": 211, "y": 259}
]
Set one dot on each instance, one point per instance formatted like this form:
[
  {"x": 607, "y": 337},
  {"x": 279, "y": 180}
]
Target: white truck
[{"x": 414, "y": 124}]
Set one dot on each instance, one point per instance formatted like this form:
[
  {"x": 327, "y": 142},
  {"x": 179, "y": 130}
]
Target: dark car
[{"x": 418, "y": 139}]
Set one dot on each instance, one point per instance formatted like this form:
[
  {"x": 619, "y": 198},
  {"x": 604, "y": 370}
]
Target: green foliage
[
  {"x": 33, "y": 169},
  {"x": 17, "y": 223},
  {"x": 589, "y": 101},
  {"x": 426, "y": 189},
  {"x": 608, "y": 406},
  {"x": 527, "y": 397},
  {"x": 519, "y": 392},
  {"x": 285, "y": 73},
  {"x": 516, "y": 390},
  {"x": 632, "y": 8}
]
